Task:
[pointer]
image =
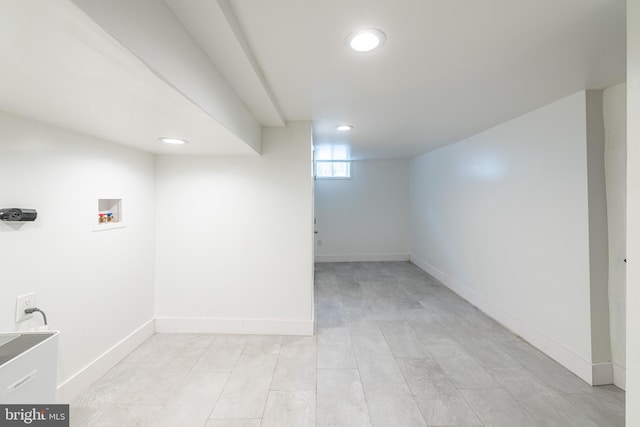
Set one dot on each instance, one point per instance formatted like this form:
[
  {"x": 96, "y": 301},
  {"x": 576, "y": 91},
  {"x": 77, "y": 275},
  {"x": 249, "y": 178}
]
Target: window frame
[{"x": 332, "y": 162}]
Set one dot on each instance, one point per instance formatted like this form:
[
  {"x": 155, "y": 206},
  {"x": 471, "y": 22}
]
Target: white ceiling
[
  {"x": 59, "y": 67},
  {"x": 448, "y": 70}
]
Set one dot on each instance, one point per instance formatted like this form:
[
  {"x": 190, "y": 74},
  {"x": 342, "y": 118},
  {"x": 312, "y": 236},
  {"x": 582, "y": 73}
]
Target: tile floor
[{"x": 393, "y": 348}]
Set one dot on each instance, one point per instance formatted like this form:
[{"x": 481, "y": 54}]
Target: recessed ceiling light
[
  {"x": 365, "y": 40},
  {"x": 174, "y": 141},
  {"x": 344, "y": 128}
]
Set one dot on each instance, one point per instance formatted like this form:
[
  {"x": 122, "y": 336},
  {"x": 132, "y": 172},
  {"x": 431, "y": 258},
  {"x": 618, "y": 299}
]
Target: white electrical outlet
[{"x": 23, "y": 302}]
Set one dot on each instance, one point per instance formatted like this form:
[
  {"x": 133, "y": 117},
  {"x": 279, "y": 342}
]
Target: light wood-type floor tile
[{"x": 393, "y": 347}]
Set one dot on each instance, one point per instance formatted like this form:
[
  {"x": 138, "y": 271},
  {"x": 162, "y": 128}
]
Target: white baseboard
[
  {"x": 71, "y": 388},
  {"x": 619, "y": 376},
  {"x": 235, "y": 326},
  {"x": 362, "y": 257},
  {"x": 602, "y": 373}
]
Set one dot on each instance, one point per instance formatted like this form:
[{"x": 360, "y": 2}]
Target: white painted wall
[
  {"x": 598, "y": 238},
  {"x": 614, "y": 108},
  {"x": 234, "y": 239},
  {"x": 502, "y": 218},
  {"x": 95, "y": 287},
  {"x": 365, "y": 218},
  {"x": 633, "y": 214}
]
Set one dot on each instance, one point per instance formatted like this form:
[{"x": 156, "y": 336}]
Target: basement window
[{"x": 327, "y": 169}]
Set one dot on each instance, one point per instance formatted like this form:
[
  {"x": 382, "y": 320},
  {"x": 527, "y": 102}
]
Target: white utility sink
[{"x": 28, "y": 367}]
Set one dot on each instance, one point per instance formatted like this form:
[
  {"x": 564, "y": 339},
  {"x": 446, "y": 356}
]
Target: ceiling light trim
[
  {"x": 172, "y": 140},
  {"x": 365, "y": 40}
]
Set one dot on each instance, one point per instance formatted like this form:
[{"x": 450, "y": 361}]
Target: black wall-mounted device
[{"x": 17, "y": 214}]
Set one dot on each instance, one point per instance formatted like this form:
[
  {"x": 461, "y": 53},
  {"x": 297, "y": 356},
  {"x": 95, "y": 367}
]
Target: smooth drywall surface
[
  {"x": 633, "y": 214},
  {"x": 502, "y": 217},
  {"x": 150, "y": 30},
  {"x": 96, "y": 288},
  {"x": 598, "y": 231},
  {"x": 234, "y": 237},
  {"x": 365, "y": 218},
  {"x": 615, "y": 120}
]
